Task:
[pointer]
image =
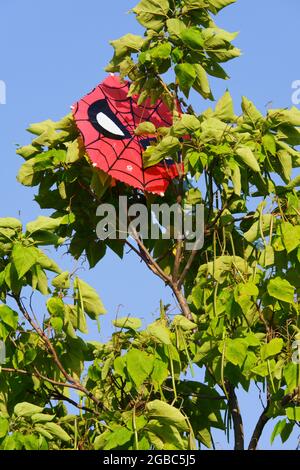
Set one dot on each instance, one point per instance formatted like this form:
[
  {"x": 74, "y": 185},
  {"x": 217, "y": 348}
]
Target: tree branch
[
  {"x": 234, "y": 409},
  {"x": 50, "y": 348},
  {"x": 262, "y": 421}
]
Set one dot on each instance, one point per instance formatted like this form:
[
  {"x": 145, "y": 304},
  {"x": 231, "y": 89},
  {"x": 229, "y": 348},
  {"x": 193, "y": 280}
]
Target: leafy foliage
[{"x": 238, "y": 296}]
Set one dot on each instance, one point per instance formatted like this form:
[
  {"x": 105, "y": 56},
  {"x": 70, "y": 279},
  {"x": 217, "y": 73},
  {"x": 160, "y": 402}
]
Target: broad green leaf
[
  {"x": 272, "y": 348},
  {"x": 139, "y": 365},
  {"x": 259, "y": 227},
  {"x": 43, "y": 223},
  {"x": 289, "y": 116},
  {"x": 164, "y": 149},
  {"x": 186, "y": 124},
  {"x": 184, "y": 323},
  {"x": 246, "y": 155},
  {"x": 165, "y": 413},
  {"x": 286, "y": 162},
  {"x": 186, "y": 75},
  {"x": 290, "y": 236},
  {"x": 168, "y": 435},
  {"x": 291, "y": 374},
  {"x": 152, "y": 13},
  {"x": 57, "y": 431},
  {"x": 217, "y": 5},
  {"x": 10, "y": 222},
  {"x": 175, "y": 27},
  {"x": 160, "y": 332},
  {"x": 126, "y": 44},
  {"x": 277, "y": 429},
  {"x": 41, "y": 418},
  {"x": 224, "y": 108},
  {"x": 145, "y": 128},
  {"x": 8, "y": 316},
  {"x": 192, "y": 38},
  {"x": 128, "y": 323},
  {"x": 117, "y": 438},
  {"x": 31, "y": 169},
  {"x": 201, "y": 82},
  {"x": 281, "y": 289},
  {"x": 293, "y": 413},
  {"x": 56, "y": 307},
  {"x": 91, "y": 302},
  {"x": 62, "y": 281},
  {"x": 250, "y": 111},
  {"x": 24, "y": 258},
  {"x": 235, "y": 350},
  {"x": 26, "y": 409},
  {"x": 269, "y": 144},
  {"x": 4, "y": 427}
]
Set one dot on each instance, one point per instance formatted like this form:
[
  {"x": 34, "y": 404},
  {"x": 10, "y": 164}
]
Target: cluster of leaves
[
  {"x": 179, "y": 36},
  {"x": 239, "y": 293}
]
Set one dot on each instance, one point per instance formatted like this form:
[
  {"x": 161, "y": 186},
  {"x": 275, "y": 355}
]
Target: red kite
[{"x": 107, "y": 118}]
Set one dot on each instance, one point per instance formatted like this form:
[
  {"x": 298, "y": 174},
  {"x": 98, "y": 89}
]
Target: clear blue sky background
[{"x": 54, "y": 52}]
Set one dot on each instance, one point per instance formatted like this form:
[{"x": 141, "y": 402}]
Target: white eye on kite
[{"x": 108, "y": 125}]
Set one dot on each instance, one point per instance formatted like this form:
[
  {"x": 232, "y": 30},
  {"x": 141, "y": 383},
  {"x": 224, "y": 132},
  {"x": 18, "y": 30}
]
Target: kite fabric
[{"x": 107, "y": 119}]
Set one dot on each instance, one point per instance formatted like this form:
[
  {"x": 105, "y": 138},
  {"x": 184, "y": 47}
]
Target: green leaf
[
  {"x": 165, "y": 413},
  {"x": 4, "y": 427},
  {"x": 272, "y": 348},
  {"x": 224, "y": 108},
  {"x": 57, "y": 431},
  {"x": 286, "y": 162},
  {"x": 186, "y": 124},
  {"x": 281, "y": 289},
  {"x": 24, "y": 258},
  {"x": 91, "y": 302},
  {"x": 175, "y": 27},
  {"x": 10, "y": 222},
  {"x": 164, "y": 149},
  {"x": 128, "y": 323},
  {"x": 41, "y": 418},
  {"x": 139, "y": 365},
  {"x": 192, "y": 38},
  {"x": 117, "y": 438},
  {"x": 9, "y": 316},
  {"x": 56, "y": 307},
  {"x": 293, "y": 413},
  {"x": 291, "y": 374},
  {"x": 247, "y": 156},
  {"x": 217, "y": 5},
  {"x": 26, "y": 409},
  {"x": 277, "y": 429},
  {"x": 186, "y": 75},
  {"x": 250, "y": 111},
  {"x": 152, "y": 13},
  {"x": 129, "y": 43},
  {"x": 159, "y": 332},
  {"x": 269, "y": 144},
  {"x": 145, "y": 128},
  {"x": 201, "y": 82},
  {"x": 235, "y": 350},
  {"x": 30, "y": 170},
  {"x": 43, "y": 223},
  {"x": 62, "y": 281},
  {"x": 290, "y": 236},
  {"x": 184, "y": 323}
]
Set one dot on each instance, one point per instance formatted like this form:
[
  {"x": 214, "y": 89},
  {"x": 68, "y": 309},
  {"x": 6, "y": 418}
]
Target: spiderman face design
[{"x": 107, "y": 118}]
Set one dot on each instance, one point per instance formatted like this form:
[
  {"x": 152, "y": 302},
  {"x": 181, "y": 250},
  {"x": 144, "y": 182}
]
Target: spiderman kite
[{"x": 107, "y": 119}]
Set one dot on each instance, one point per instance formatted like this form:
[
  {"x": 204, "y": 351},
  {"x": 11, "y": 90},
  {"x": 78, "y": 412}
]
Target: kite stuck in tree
[{"x": 107, "y": 119}]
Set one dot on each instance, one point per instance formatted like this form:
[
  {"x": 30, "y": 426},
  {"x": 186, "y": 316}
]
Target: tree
[{"x": 238, "y": 315}]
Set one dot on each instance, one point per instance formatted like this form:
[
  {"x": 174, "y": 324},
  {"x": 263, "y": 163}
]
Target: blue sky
[{"x": 52, "y": 53}]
